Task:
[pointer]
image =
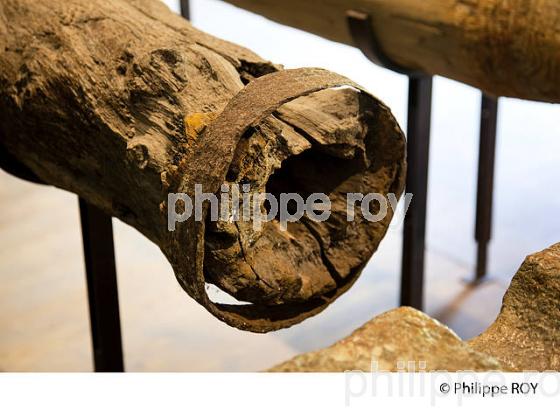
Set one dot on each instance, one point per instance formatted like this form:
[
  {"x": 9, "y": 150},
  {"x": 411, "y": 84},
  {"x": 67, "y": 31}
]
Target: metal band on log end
[{"x": 260, "y": 98}]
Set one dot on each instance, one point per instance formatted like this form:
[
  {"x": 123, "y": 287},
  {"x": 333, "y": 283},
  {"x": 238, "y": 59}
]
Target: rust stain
[{"x": 196, "y": 123}]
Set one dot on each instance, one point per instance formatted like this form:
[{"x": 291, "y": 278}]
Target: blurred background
[{"x": 44, "y": 323}]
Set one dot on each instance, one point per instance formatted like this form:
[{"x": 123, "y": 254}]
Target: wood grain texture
[
  {"x": 504, "y": 47},
  {"x": 123, "y": 102}
]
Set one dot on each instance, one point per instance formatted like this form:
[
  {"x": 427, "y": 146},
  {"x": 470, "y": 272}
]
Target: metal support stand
[
  {"x": 99, "y": 256},
  {"x": 486, "y": 159},
  {"x": 418, "y": 147},
  {"x": 418, "y": 150},
  {"x": 185, "y": 10},
  {"x": 101, "y": 274}
]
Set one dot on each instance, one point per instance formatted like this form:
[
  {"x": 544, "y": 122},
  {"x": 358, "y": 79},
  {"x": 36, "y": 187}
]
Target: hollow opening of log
[
  {"x": 312, "y": 171},
  {"x": 268, "y": 254},
  {"x": 279, "y": 266},
  {"x": 341, "y": 145}
]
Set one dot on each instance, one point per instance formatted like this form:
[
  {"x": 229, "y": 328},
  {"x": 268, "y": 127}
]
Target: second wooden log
[{"x": 506, "y": 48}]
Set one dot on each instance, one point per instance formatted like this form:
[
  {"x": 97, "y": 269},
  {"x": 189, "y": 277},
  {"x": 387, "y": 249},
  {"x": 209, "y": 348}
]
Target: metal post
[
  {"x": 185, "y": 10},
  {"x": 418, "y": 149},
  {"x": 486, "y": 159},
  {"x": 101, "y": 274},
  {"x": 360, "y": 26}
]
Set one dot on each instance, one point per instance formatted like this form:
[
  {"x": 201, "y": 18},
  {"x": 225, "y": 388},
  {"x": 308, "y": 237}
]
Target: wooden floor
[{"x": 44, "y": 316}]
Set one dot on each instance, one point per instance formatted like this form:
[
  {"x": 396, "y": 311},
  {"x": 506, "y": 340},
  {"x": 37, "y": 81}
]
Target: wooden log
[
  {"x": 124, "y": 102},
  {"x": 505, "y": 47}
]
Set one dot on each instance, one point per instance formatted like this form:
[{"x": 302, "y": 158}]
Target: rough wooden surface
[
  {"x": 524, "y": 337},
  {"x": 505, "y": 47},
  {"x": 526, "y": 334},
  {"x": 116, "y": 100},
  {"x": 402, "y": 339}
]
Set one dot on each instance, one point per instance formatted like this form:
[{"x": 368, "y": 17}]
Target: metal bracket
[{"x": 360, "y": 26}]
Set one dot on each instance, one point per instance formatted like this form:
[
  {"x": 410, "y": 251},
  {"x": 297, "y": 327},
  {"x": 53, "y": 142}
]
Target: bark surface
[
  {"x": 123, "y": 102},
  {"x": 504, "y": 47}
]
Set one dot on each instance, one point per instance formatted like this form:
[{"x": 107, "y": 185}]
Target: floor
[{"x": 43, "y": 311}]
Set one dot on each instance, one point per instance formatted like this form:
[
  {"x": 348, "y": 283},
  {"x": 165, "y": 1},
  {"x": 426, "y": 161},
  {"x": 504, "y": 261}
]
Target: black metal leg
[
  {"x": 185, "y": 11},
  {"x": 486, "y": 156},
  {"x": 101, "y": 274},
  {"x": 418, "y": 148}
]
